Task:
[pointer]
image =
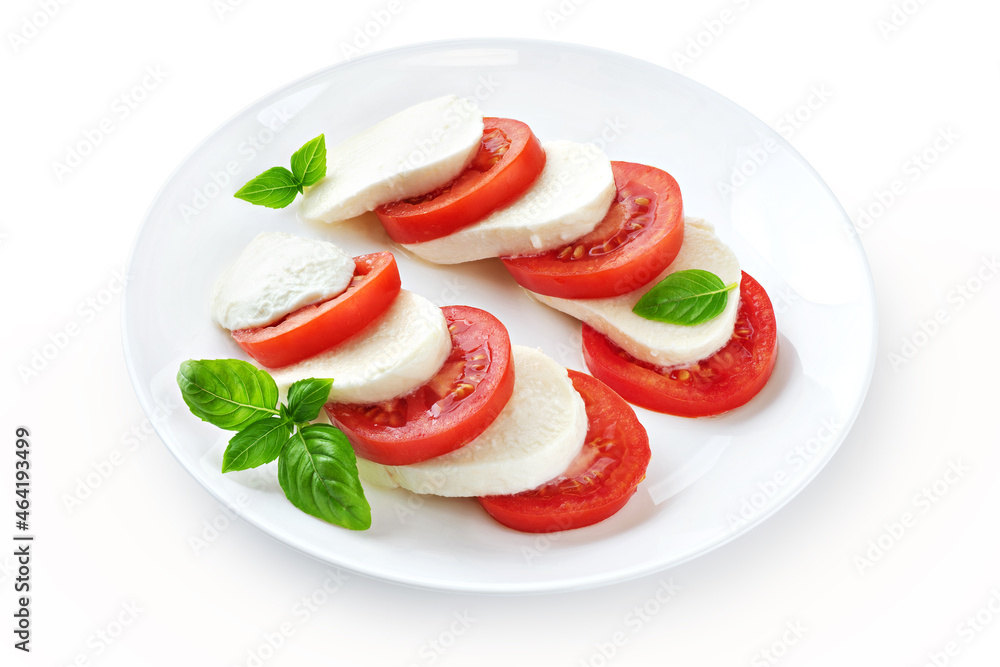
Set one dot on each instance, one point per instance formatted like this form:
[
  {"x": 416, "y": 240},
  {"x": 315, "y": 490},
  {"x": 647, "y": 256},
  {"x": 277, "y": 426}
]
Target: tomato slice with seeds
[
  {"x": 319, "y": 326},
  {"x": 451, "y": 410},
  {"x": 598, "y": 482},
  {"x": 637, "y": 239},
  {"x": 726, "y": 380},
  {"x": 509, "y": 160}
]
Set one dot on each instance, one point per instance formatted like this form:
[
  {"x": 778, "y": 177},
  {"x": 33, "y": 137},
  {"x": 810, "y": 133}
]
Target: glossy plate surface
[{"x": 708, "y": 480}]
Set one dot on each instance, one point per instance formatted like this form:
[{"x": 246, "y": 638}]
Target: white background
[{"x": 121, "y": 561}]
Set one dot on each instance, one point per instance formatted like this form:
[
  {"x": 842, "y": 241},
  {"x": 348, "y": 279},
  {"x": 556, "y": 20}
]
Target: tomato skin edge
[
  {"x": 281, "y": 344},
  {"x": 625, "y": 271},
  {"x": 625, "y": 377},
  {"x": 510, "y": 178},
  {"x": 396, "y": 448},
  {"x": 562, "y": 512}
]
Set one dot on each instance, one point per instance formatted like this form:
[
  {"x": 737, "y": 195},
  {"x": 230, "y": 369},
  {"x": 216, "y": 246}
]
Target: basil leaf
[
  {"x": 229, "y": 393},
  {"x": 309, "y": 162},
  {"x": 257, "y": 444},
  {"x": 687, "y": 298},
  {"x": 318, "y": 472},
  {"x": 306, "y": 398},
  {"x": 275, "y": 188}
]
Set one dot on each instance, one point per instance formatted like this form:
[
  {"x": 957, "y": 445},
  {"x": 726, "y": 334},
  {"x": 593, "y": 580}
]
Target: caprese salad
[
  {"x": 438, "y": 400},
  {"x": 605, "y": 242},
  {"x": 432, "y": 400}
]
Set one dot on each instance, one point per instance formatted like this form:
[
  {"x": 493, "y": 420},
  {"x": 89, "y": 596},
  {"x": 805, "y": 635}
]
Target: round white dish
[{"x": 709, "y": 481}]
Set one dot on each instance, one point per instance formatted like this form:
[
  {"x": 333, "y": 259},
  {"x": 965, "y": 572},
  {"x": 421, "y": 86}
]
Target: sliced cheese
[
  {"x": 276, "y": 274},
  {"x": 411, "y": 153},
  {"x": 403, "y": 349},
  {"x": 568, "y": 199},
  {"x": 656, "y": 342},
  {"x": 533, "y": 440}
]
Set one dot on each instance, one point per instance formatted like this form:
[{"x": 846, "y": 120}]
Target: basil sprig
[
  {"x": 317, "y": 468},
  {"x": 277, "y": 187},
  {"x": 688, "y": 297}
]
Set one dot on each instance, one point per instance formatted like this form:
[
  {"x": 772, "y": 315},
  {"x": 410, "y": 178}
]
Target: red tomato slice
[
  {"x": 452, "y": 409},
  {"x": 726, "y": 380},
  {"x": 319, "y": 326},
  {"x": 509, "y": 160},
  {"x": 636, "y": 241},
  {"x": 598, "y": 482}
]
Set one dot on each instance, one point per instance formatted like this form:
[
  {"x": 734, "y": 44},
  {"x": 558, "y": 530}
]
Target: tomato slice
[
  {"x": 726, "y": 380},
  {"x": 319, "y": 326},
  {"x": 452, "y": 409},
  {"x": 509, "y": 160},
  {"x": 598, "y": 482},
  {"x": 637, "y": 239}
]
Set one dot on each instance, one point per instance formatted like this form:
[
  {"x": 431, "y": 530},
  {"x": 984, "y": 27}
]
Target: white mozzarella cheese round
[
  {"x": 277, "y": 274},
  {"x": 410, "y": 153},
  {"x": 400, "y": 351},
  {"x": 567, "y": 200},
  {"x": 657, "y": 342},
  {"x": 534, "y": 439}
]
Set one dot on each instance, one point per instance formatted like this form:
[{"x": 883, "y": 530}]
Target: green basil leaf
[
  {"x": 229, "y": 393},
  {"x": 275, "y": 188},
  {"x": 306, "y": 398},
  {"x": 318, "y": 472},
  {"x": 257, "y": 444},
  {"x": 309, "y": 162},
  {"x": 687, "y": 297}
]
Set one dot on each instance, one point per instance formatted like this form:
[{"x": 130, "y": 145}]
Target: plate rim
[{"x": 516, "y": 588}]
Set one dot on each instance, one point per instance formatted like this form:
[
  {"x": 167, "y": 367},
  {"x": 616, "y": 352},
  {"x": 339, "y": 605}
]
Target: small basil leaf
[
  {"x": 257, "y": 444},
  {"x": 309, "y": 162},
  {"x": 229, "y": 393},
  {"x": 306, "y": 398},
  {"x": 275, "y": 188},
  {"x": 688, "y": 297},
  {"x": 318, "y": 472}
]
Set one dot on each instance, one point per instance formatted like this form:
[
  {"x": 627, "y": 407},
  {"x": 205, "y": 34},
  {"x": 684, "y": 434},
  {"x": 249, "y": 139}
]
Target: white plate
[{"x": 710, "y": 479}]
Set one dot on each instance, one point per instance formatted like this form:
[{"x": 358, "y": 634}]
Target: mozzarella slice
[
  {"x": 411, "y": 153},
  {"x": 657, "y": 342},
  {"x": 400, "y": 351},
  {"x": 567, "y": 200},
  {"x": 534, "y": 439},
  {"x": 276, "y": 274}
]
